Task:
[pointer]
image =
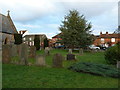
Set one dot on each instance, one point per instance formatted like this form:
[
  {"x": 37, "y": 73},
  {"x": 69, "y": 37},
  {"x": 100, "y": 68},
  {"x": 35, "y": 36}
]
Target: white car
[{"x": 93, "y": 47}]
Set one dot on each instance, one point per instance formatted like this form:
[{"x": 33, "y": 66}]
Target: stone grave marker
[
  {"x": 47, "y": 51},
  {"x": 70, "y": 51},
  {"x": 118, "y": 64},
  {"x": 23, "y": 54},
  {"x": 32, "y": 51},
  {"x": 70, "y": 57},
  {"x": 13, "y": 50},
  {"x": 18, "y": 49},
  {"x": 80, "y": 51},
  {"x": 57, "y": 60},
  {"x": 40, "y": 60},
  {"x": 6, "y": 57}
]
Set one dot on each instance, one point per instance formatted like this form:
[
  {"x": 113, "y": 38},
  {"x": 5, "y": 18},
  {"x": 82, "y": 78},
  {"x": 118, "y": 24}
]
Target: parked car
[
  {"x": 61, "y": 46},
  {"x": 94, "y": 47}
]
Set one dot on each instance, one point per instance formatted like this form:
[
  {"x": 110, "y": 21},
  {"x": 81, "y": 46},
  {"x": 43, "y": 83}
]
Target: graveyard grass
[{"x": 16, "y": 76}]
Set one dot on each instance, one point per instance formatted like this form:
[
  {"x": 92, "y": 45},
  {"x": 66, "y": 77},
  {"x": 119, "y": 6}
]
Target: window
[
  {"x": 112, "y": 39},
  {"x": 102, "y": 40},
  {"x": 24, "y": 39},
  {"x": 30, "y": 38}
]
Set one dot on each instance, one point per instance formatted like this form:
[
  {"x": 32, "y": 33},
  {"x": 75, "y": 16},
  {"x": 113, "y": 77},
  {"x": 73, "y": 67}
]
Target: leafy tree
[
  {"x": 46, "y": 42},
  {"x": 75, "y": 31},
  {"x": 37, "y": 42}
]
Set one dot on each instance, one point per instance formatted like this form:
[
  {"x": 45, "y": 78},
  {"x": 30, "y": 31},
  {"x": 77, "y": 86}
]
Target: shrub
[
  {"x": 18, "y": 39},
  {"x": 95, "y": 69},
  {"x": 112, "y": 54},
  {"x": 37, "y": 42}
]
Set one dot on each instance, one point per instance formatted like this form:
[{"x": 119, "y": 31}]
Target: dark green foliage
[
  {"x": 75, "y": 31},
  {"x": 95, "y": 69},
  {"x": 112, "y": 55},
  {"x": 18, "y": 39},
  {"x": 37, "y": 42},
  {"x": 46, "y": 42}
]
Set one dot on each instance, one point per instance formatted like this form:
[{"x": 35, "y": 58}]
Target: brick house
[
  {"x": 107, "y": 39},
  {"x": 55, "y": 40}
]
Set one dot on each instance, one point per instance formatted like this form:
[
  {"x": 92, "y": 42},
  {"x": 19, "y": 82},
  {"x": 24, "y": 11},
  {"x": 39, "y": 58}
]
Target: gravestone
[
  {"x": 13, "y": 50},
  {"x": 70, "y": 57},
  {"x": 118, "y": 64},
  {"x": 23, "y": 54},
  {"x": 32, "y": 51},
  {"x": 47, "y": 51},
  {"x": 57, "y": 60},
  {"x": 70, "y": 51},
  {"x": 18, "y": 49},
  {"x": 6, "y": 57},
  {"x": 40, "y": 60},
  {"x": 80, "y": 51}
]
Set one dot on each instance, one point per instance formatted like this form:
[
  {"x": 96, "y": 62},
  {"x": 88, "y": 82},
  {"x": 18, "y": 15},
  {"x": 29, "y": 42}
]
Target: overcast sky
[{"x": 45, "y": 16}]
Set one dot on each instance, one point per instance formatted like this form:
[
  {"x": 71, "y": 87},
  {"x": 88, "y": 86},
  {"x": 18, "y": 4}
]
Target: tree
[
  {"x": 37, "y": 42},
  {"x": 46, "y": 42},
  {"x": 75, "y": 31}
]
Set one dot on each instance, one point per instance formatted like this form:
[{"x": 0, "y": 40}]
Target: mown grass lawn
[{"x": 16, "y": 76}]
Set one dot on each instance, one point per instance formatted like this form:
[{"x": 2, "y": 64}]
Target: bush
[
  {"x": 95, "y": 69},
  {"x": 112, "y": 54},
  {"x": 18, "y": 39},
  {"x": 37, "y": 42}
]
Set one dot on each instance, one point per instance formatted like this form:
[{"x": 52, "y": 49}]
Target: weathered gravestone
[
  {"x": 80, "y": 51},
  {"x": 13, "y": 50},
  {"x": 40, "y": 60},
  {"x": 47, "y": 51},
  {"x": 32, "y": 51},
  {"x": 18, "y": 49},
  {"x": 70, "y": 57},
  {"x": 118, "y": 64},
  {"x": 23, "y": 54},
  {"x": 70, "y": 51},
  {"x": 6, "y": 57},
  {"x": 57, "y": 60}
]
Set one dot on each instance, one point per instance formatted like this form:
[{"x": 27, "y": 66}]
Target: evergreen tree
[
  {"x": 37, "y": 42},
  {"x": 46, "y": 42},
  {"x": 75, "y": 31}
]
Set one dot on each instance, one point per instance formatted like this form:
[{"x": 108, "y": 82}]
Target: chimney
[
  {"x": 107, "y": 33},
  {"x": 100, "y": 33}
]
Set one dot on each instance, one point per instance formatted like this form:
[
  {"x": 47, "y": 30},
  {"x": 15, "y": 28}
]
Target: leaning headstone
[
  {"x": 70, "y": 57},
  {"x": 40, "y": 60},
  {"x": 80, "y": 51},
  {"x": 13, "y": 50},
  {"x": 118, "y": 64},
  {"x": 47, "y": 51},
  {"x": 23, "y": 54},
  {"x": 32, "y": 51},
  {"x": 57, "y": 60},
  {"x": 70, "y": 51},
  {"x": 6, "y": 58}
]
